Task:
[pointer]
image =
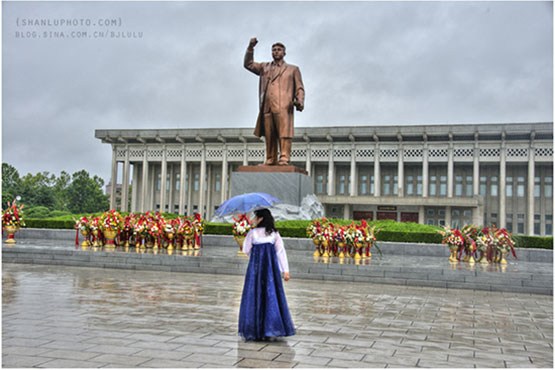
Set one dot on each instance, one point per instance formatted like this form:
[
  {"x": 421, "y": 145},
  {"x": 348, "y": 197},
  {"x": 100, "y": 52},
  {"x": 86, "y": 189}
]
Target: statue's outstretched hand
[
  {"x": 253, "y": 42},
  {"x": 299, "y": 106}
]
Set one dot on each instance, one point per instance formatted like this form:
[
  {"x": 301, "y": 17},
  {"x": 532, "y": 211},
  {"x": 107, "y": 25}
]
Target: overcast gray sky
[{"x": 363, "y": 63}]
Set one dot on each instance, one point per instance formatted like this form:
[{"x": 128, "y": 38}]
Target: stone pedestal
[{"x": 290, "y": 184}]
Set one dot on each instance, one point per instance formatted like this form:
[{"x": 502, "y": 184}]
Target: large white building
[{"x": 437, "y": 174}]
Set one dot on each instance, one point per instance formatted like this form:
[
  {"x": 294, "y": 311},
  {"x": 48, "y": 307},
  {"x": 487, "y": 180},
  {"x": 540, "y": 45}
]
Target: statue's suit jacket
[{"x": 291, "y": 89}]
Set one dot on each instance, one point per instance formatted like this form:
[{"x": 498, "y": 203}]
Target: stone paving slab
[{"x": 147, "y": 319}]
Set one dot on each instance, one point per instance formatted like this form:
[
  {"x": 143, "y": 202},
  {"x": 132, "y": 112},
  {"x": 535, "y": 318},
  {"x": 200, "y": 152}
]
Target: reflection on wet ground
[{"x": 57, "y": 316}]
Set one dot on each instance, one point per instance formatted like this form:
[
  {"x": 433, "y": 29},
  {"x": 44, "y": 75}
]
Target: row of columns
[{"x": 147, "y": 189}]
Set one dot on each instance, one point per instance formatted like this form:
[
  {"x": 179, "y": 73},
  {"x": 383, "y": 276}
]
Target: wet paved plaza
[{"x": 58, "y": 316}]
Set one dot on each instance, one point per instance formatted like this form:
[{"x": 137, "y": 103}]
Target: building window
[
  {"x": 509, "y": 187},
  {"x": 158, "y": 183},
  {"x": 455, "y": 219},
  {"x": 419, "y": 185},
  {"x": 196, "y": 182},
  {"x": 493, "y": 219},
  {"x": 177, "y": 181},
  {"x": 469, "y": 182},
  {"x": 387, "y": 185},
  {"x": 493, "y": 186},
  {"x": 548, "y": 187},
  {"x": 342, "y": 185},
  {"x": 433, "y": 185},
  {"x": 520, "y": 186},
  {"x": 537, "y": 186},
  {"x": 363, "y": 186},
  {"x": 537, "y": 224},
  {"x": 548, "y": 224},
  {"x": 509, "y": 217},
  {"x": 458, "y": 186},
  {"x": 483, "y": 185},
  {"x": 443, "y": 186},
  {"x": 320, "y": 184},
  {"x": 520, "y": 223},
  {"x": 410, "y": 185},
  {"x": 218, "y": 182}
]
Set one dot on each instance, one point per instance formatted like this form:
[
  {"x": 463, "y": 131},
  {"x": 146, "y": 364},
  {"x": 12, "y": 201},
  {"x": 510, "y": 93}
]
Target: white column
[
  {"x": 377, "y": 179},
  {"x": 134, "y": 189},
  {"x": 421, "y": 215},
  {"x": 151, "y": 196},
  {"x": 208, "y": 192},
  {"x": 530, "y": 187},
  {"x": 448, "y": 216},
  {"x": 331, "y": 172},
  {"x": 171, "y": 200},
  {"x": 425, "y": 171},
  {"x": 114, "y": 179},
  {"x": 450, "y": 169},
  {"x": 308, "y": 160},
  {"x": 502, "y": 183},
  {"x": 246, "y": 155},
  {"x": 225, "y": 166},
  {"x": 202, "y": 186},
  {"x": 182, "y": 177},
  {"x": 125, "y": 182},
  {"x": 400, "y": 173},
  {"x": 163, "y": 179},
  {"x": 145, "y": 185},
  {"x": 353, "y": 185},
  {"x": 190, "y": 189},
  {"x": 347, "y": 211},
  {"x": 476, "y": 169}
]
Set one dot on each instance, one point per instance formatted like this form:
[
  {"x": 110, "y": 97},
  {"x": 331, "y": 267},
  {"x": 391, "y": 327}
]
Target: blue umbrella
[{"x": 245, "y": 203}]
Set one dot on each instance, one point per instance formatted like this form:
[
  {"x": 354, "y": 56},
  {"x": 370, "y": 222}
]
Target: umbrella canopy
[{"x": 245, "y": 203}]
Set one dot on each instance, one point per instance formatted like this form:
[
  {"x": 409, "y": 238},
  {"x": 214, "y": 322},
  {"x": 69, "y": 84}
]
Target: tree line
[{"x": 45, "y": 194}]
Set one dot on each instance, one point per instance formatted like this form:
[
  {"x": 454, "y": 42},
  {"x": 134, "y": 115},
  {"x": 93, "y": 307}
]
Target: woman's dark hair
[{"x": 267, "y": 220}]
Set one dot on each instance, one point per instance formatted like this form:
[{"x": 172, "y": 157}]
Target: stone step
[{"x": 517, "y": 276}]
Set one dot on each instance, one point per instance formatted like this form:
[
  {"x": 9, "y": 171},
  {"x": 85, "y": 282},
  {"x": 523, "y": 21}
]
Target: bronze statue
[{"x": 281, "y": 88}]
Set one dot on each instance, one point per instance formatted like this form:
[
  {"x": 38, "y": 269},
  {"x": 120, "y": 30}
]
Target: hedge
[
  {"x": 527, "y": 241},
  {"x": 40, "y": 223}
]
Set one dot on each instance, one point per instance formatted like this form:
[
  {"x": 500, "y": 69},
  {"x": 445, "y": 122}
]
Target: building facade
[{"x": 483, "y": 174}]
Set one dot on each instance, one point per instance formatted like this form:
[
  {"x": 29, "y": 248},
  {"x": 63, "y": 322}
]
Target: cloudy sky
[{"x": 180, "y": 66}]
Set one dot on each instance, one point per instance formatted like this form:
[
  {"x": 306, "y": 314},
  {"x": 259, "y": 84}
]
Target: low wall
[{"x": 298, "y": 244}]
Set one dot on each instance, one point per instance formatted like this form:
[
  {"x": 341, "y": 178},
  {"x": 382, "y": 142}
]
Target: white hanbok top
[{"x": 258, "y": 236}]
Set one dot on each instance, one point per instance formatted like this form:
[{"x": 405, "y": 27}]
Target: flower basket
[
  {"x": 111, "y": 223},
  {"x": 241, "y": 226},
  {"x": 12, "y": 220}
]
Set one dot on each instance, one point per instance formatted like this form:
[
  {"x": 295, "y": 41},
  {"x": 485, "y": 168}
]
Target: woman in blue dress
[{"x": 264, "y": 314}]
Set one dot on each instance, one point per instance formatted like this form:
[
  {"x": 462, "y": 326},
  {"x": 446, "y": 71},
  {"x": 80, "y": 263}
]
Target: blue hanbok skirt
[{"x": 264, "y": 313}]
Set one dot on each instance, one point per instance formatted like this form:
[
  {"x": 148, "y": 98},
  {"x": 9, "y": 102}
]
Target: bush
[
  {"x": 36, "y": 212},
  {"x": 408, "y": 237},
  {"x": 217, "y": 228},
  {"x": 525, "y": 241},
  {"x": 60, "y": 214},
  {"x": 49, "y": 223}
]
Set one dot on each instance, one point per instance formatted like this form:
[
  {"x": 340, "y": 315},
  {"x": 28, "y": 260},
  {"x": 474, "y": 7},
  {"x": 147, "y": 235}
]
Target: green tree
[
  {"x": 36, "y": 190},
  {"x": 84, "y": 194},
  {"x": 11, "y": 183},
  {"x": 60, "y": 187}
]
